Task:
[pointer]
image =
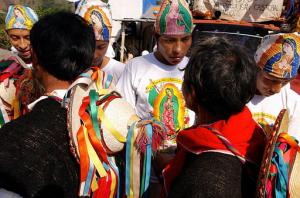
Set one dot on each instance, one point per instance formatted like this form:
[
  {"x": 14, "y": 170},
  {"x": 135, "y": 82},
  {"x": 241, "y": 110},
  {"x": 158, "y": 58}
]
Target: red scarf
[{"x": 240, "y": 129}]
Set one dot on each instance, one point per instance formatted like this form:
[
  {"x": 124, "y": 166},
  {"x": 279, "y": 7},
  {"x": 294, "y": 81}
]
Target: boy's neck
[{"x": 204, "y": 117}]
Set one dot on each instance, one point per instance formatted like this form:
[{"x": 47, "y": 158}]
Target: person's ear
[
  {"x": 189, "y": 96},
  {"x": 193, "y": 98}
]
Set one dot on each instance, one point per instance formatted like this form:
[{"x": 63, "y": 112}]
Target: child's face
[
  {"x": 20, "y": 39},
  {"x": 172, "y": 49},
  {"x": 268, "y": 85},
  {"x": 100, "y": 50}
]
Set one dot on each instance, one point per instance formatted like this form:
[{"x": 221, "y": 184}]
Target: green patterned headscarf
[{"x": 174, "y": 18}]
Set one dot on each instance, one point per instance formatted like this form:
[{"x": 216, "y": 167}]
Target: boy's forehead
[
  {"x": 18, "y": 32},
  {"x": 180, "y": 36},
  {"x": 274, "y": 78}
]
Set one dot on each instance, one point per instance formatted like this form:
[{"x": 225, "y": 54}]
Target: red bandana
[{"x": 241, "y": 130}]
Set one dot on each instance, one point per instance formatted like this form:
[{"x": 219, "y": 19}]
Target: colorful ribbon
[{"x": 227, "y": 143}]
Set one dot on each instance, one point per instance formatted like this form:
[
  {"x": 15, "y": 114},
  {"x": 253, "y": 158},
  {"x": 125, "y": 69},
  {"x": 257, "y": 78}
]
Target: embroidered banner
[{"x": 241, "y": 10}]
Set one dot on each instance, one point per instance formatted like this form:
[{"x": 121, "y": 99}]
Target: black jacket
[{"x": 35, "y": 157}]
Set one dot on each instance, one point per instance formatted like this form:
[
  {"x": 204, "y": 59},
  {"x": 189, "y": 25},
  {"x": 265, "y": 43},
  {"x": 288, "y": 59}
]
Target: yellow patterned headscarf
[
  {"x": 97, "y": 13},
  {"x": 279, "y": 55},
  {"x": 20, "y": 17}
]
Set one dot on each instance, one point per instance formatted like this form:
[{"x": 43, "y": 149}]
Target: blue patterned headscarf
[
  {"x": 279, "y": 55},
  {"x": 97, "y": 13},
  {"x": 20, "y": 17}
]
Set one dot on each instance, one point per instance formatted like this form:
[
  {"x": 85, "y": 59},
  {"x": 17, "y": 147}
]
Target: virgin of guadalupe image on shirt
[
  {"x": 287, "y": 59},
  {"x": 168, "y": 107},
  {"x": 168, "y": 110}
]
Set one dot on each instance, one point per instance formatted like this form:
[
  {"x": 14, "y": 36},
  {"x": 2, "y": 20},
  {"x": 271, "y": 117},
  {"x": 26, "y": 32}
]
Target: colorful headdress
[
  {"x": 278, "y": 55},
  {"x": 98, "y": 14},
  {"x": 174, "y": 18},
  {"x": 20, "y": 17}
]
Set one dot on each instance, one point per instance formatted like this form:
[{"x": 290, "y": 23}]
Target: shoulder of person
[
  {"x": 136, "y": 61},
  {"x": 115, "y": 62}
]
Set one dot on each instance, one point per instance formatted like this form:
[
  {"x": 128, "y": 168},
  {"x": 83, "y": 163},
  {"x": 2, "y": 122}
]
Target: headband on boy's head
[
  {"x": 174, "y": 18},
  {"x": 279, "y": 55},
  {"x": 98, "y": 14},
  {"x": 20, "y": 17}
]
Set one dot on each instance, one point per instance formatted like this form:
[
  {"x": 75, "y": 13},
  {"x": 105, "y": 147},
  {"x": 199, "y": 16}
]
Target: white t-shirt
[
  {"x": 114, "y": 68},
  {"x": 60, "y": 93},
  {"x": 154, "y": 89},
  {"x": 266, "y": 109}
]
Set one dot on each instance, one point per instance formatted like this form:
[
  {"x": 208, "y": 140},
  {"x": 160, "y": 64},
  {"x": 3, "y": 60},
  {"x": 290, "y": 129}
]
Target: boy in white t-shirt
[
  {"x": 98, "y": 14},
  {"x": 278, "y": 60},
  {"x": 152, "y": 83}
]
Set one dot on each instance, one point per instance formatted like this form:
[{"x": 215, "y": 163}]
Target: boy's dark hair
[
  {"x": 64, "y": 44},
  {"x": 223, "y": 76}
]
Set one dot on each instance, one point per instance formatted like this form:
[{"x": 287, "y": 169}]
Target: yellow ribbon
[
  {"x": 93, "y": 155},
  {"x": 94, "y": 183},
  {"x": 103, "y": 91},
  {"x": 131, "y": 195},
  {"x": 99, "y": 80},
  {"x": 109, "y": 126}
]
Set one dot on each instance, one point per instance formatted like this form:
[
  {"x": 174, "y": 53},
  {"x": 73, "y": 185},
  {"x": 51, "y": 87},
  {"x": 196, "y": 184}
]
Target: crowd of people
[{"x": 218, "y": 107}]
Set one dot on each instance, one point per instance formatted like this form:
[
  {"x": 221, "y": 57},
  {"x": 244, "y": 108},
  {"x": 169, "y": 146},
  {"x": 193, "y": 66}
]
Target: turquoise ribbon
[
  {"x": 116, "y": 169},
  {"x": 94, "y": 113},
  {"x": 281, "y": 182},
  {"x": 148, "y": 157},
  {"x": 85, "y": 75},
  {"x": 143, "y": 175},
  {"x": 88, "y": 179},
  {"x": 108, "y": 81}
]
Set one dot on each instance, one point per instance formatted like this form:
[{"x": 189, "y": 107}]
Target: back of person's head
[
  {"x": 63, "y": 44},
  {"x": 222, "y": 75}
]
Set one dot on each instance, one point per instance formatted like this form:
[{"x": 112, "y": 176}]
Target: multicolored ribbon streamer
[
  {"x": 227, "y": 143},
  {"x": 93, "y": 157},
  {"x": 146, "y": 172}
]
